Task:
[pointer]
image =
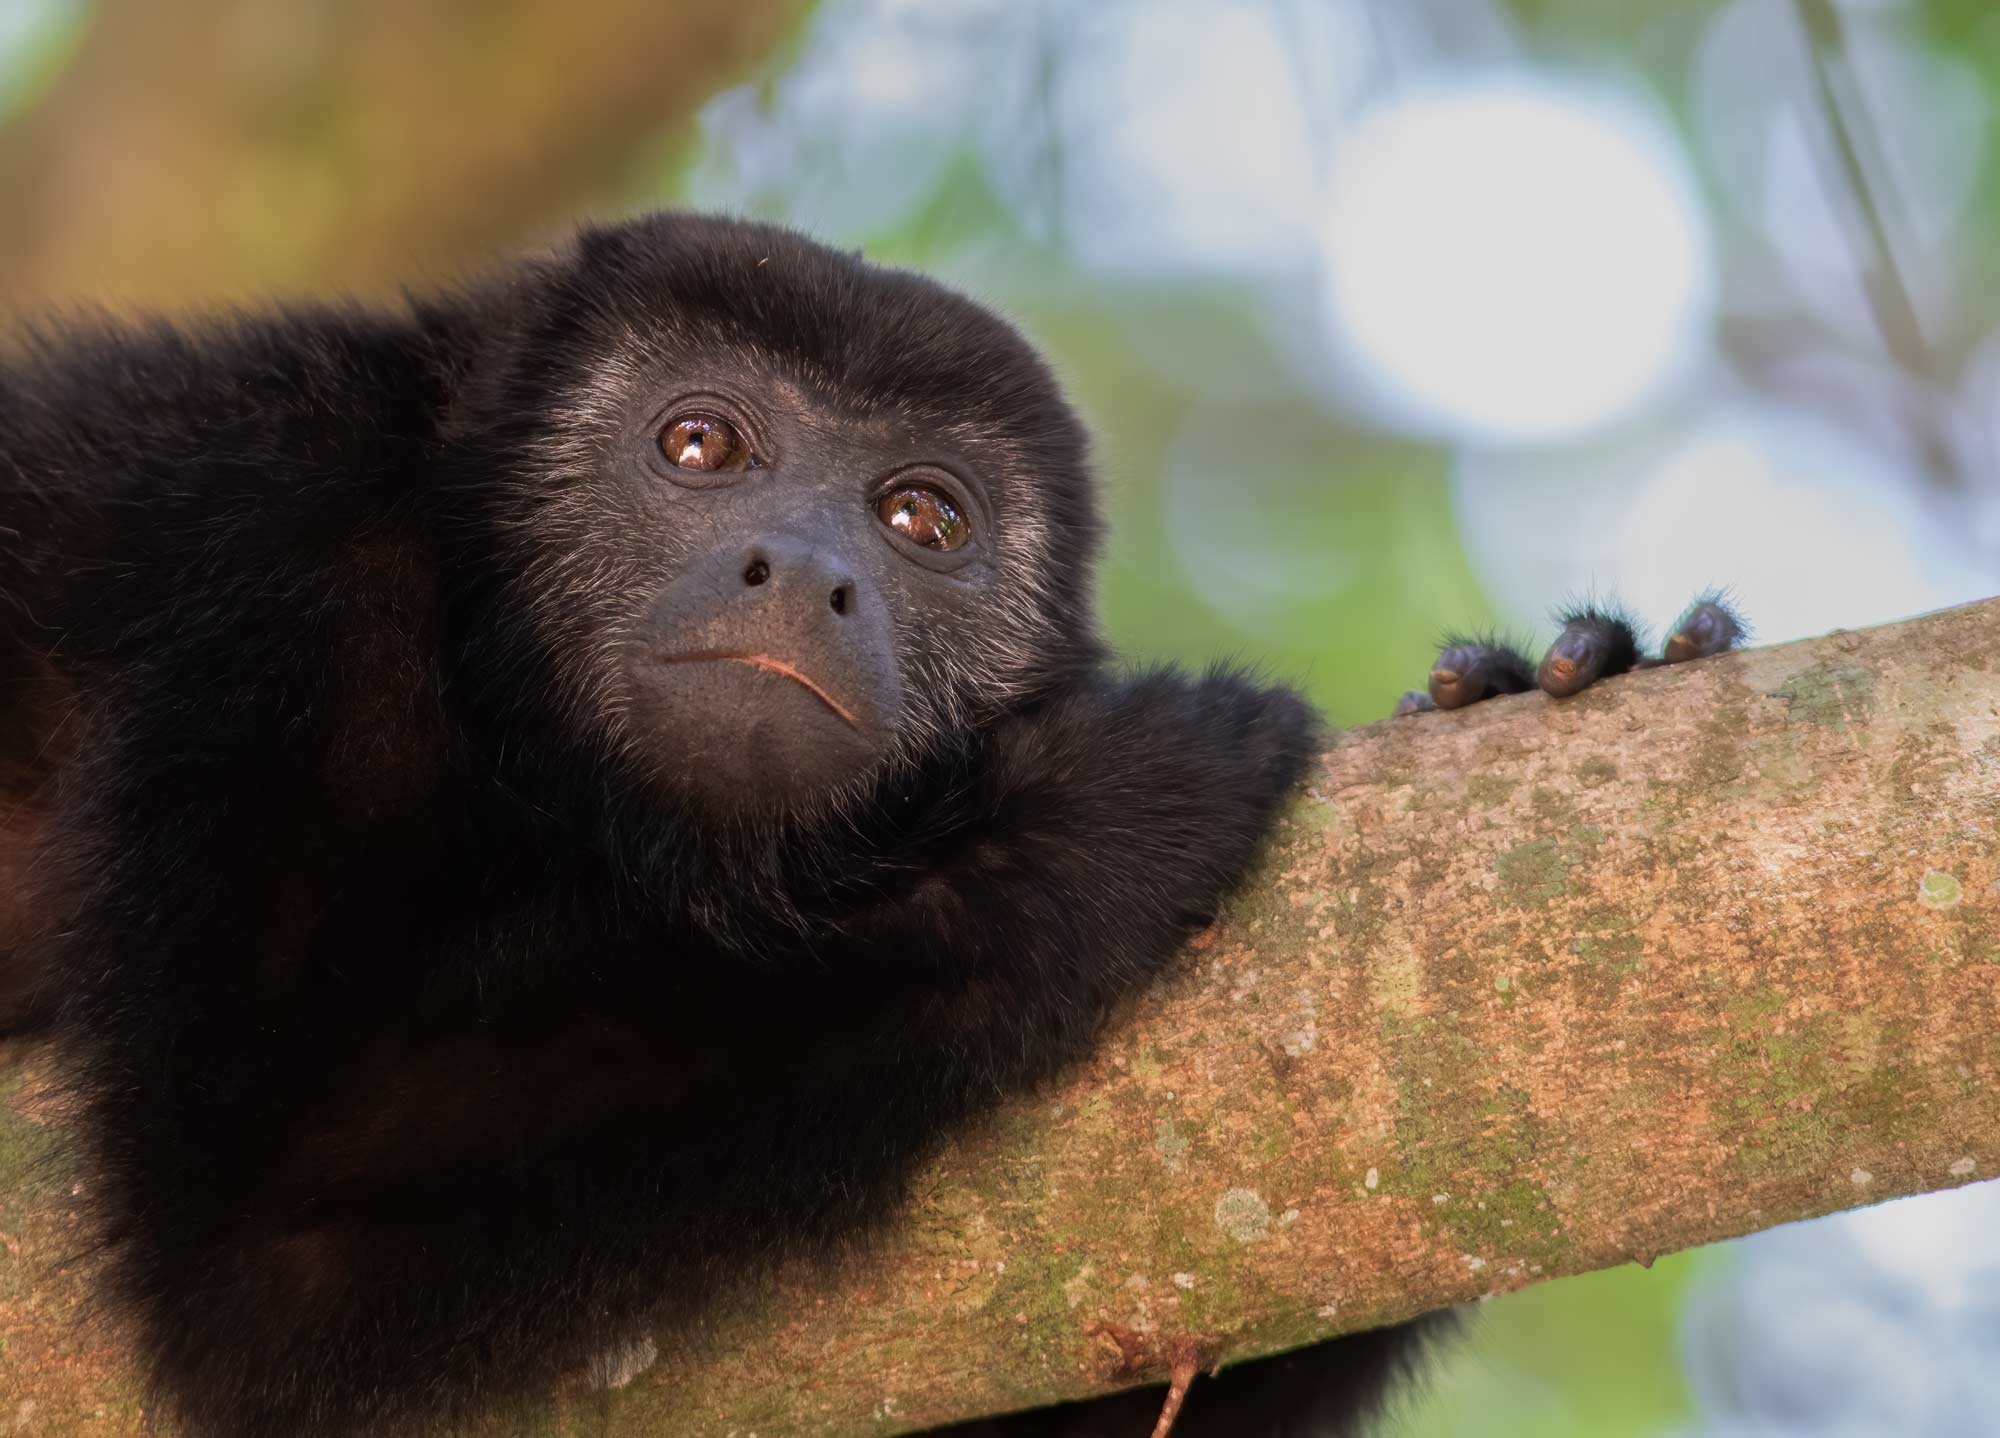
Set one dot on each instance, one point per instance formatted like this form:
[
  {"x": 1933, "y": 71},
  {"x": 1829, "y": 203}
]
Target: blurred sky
[{"x": 1392, "y": 316}]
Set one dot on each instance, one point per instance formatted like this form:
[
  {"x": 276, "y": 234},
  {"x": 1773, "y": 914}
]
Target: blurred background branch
[
  {"x": 211, "y": 150},
  {"x": 1850, "y": 133}
]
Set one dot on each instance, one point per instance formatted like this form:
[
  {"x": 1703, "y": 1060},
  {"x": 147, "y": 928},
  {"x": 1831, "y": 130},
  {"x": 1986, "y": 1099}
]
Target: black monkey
[{"x": 524, "y": 809}]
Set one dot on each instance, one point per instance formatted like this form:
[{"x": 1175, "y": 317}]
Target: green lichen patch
[
  {"x": 1534, "y": 874},
  {"x": 30, "y": 1156},
  {"x": 1549, "y": 805},
  {"x": 1595, "y": 772},
  {"x": 1314, "y": 814},
  {"x": 1516, "y": 1219},
  {"x": 1490, "y": 790},
  {"x": 1243, "y": 1215},
  {"x": 1939, "y": 890},
  {"x": 1830, "y": 694},
  {"x": 1480, "y": 1191},
  {"x": 1617, "y": 955},
  {"x": 1718, "y": 760}
]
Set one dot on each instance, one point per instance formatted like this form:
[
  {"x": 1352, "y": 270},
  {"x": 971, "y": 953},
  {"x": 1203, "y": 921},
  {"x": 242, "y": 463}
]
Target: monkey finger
[
  {"x": 1470, "y": 670},
  {"x": 1710, "y": 626},
  {"x": 1413, "y": 701},
  {"x": 1594, "y": 643}
]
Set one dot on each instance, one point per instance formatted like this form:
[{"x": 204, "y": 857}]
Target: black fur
[
  {"x": 1329, "y": 1390},
  {"x": 425, "y": 1047}
]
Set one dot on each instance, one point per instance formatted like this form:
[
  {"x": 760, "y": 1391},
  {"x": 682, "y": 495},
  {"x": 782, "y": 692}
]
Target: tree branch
[{"x": 1523, "y": 990}]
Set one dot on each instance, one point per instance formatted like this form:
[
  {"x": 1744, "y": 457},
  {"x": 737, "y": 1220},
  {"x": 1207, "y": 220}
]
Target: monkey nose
[{"x": 795, "y": 569}]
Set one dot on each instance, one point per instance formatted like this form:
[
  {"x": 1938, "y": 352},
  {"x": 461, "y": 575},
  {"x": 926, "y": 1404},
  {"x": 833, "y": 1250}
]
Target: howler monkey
[{"x": 523, "y": 809}]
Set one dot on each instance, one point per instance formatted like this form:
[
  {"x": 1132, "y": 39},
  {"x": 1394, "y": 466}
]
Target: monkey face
[
  {"x": 787, "y": 524},
  {"x": 820, "y": 557}
]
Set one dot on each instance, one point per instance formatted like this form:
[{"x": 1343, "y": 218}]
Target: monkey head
[{"x": 775, "y": 520}]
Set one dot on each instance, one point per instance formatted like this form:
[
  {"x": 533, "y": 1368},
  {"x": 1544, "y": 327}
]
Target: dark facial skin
[{"x": 821, "y": 550}]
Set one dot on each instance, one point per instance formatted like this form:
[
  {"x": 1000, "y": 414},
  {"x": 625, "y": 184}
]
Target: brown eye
[
  {"x": 704, "y": 443},
  {"x": 924, "y": 516}
]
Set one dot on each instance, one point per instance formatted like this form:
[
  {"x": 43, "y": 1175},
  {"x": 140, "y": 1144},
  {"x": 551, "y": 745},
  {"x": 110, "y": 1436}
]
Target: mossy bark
[{"x": 1524, "y": 990}]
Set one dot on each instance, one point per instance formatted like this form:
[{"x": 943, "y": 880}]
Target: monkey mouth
[{"x": 772, "y": 665}]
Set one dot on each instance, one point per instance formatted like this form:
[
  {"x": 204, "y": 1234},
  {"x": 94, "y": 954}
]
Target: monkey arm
[{"x": 1111, "y": 824}]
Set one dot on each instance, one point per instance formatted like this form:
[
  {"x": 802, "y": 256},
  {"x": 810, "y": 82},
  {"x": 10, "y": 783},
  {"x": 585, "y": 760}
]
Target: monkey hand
[
  {"x": 1597, "y": 641},
  {"x": 1117, "y": 816}
]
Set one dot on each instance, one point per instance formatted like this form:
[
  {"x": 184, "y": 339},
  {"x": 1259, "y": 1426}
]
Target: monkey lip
[{"x": 771, "y": 665}]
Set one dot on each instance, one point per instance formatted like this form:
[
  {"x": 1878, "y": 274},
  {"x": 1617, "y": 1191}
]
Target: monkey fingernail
[
  {"x": 1469, "y": 670},
  {"x": 1453, "y": 689},
  {"x": 1596, "y": 641},
  {"x": 1573, "y": 663},
  {"x": 1710, "y": 627}
]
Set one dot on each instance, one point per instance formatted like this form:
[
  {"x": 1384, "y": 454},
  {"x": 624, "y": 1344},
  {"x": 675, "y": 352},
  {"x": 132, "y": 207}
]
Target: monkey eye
[
  {"x": 924, "y": 516},
  {"x": 704, "y": 443}
]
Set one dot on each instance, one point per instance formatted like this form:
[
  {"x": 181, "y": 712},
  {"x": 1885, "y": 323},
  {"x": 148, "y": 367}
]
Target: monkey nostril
[
  {"x": 841, "y": 599},
  {"x": 757, "y": 573}
]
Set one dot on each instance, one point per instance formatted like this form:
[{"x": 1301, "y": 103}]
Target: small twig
[
  {"x": 1187, "y": 1363},
  {"x": 1855, "y": 141},
  {"x": 1850, "y": 128}
]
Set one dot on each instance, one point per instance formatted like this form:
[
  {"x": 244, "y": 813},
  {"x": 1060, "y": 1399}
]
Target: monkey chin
[{"x": 754, "y": 736}]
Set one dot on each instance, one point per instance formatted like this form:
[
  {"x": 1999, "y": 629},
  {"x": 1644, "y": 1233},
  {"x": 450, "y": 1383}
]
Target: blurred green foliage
[{"x": 1589, "y": 1357}]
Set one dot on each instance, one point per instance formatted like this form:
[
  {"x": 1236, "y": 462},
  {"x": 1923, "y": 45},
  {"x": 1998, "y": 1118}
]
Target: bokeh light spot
[{"x": 1515, "y": 260}]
